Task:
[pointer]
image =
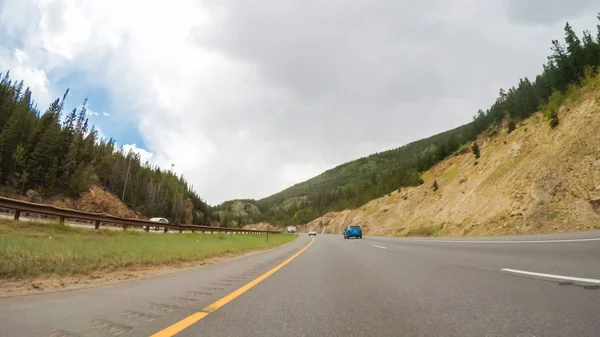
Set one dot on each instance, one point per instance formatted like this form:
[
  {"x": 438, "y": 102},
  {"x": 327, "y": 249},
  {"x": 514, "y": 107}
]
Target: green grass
[
  {"x": 451, "y": 174},
  {"x": 551, "y": 215},
  {"x": 32, "y": 249},
  {"x": 425, "y": 231}
]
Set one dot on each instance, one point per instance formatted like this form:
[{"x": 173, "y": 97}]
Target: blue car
[{"x": 352, "y": 231}]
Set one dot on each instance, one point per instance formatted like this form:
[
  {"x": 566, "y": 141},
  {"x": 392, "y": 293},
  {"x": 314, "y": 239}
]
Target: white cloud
[
  {"x": 90, "y": 112},
  {"x": 246, "y": 98},
  {"x": 63, "y": 27},
  {"x": 144, "y": 155},
  {"x": 243, "y": 134},
  {"x": 18, "y": 62}
]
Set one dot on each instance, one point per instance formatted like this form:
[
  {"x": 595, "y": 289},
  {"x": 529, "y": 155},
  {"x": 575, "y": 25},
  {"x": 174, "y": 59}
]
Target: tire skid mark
[
  {"x": 185, "y": 300},
  {"x": 164, "y": 307},
  {"x": 63, "y": 333},
  {"x": 199, "y": 293},
  {"x": 110, "y": 327},
  {"x": 141, "y": 316},
  {"x": 213, "y": 288}
]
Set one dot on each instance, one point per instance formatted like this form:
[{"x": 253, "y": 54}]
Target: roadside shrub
[
  {"x": 425, "y": 231},
  {"x": 511, "y": 126},
  {"x": 476, "y": 151},
  {"x": 550, "y": 109}
]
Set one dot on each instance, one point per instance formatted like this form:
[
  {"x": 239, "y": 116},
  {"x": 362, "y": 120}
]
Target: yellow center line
[{"x": 188, "y": 321}]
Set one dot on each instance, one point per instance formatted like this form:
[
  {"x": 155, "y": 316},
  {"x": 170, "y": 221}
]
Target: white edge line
[
  {"x": 559, "y": 277},
  {"x": 505, "y": 241},
  {"x": 382, "y": 247}
]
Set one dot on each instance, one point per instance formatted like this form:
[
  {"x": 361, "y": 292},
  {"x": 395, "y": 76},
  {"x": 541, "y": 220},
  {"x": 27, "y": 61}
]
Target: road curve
[{"x": 510, "y": 286}]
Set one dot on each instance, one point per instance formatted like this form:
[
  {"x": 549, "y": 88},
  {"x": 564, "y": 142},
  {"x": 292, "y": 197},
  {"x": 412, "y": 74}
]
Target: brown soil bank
[{"x": 533, "y": 180}]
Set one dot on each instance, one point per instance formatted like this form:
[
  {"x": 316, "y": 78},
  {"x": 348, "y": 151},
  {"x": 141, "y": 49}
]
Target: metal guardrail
[{"x": 99, "y": 219}]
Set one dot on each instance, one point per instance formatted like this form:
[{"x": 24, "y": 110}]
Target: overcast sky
[{"x": 246, "y": 98}]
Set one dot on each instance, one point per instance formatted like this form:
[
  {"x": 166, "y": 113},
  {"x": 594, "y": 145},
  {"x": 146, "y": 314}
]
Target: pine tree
[
  {"x": 475, "y": 149},
  {"x": 575, "y": 65},
  {"x": 20, "y": 157},
  {"x": 69, "y": 122},
  {"x": 435, "y": 186},
  {"x": 74, "y": 133},
  {"x": 50, "y": 178},
  {"x": 17, "y": 131},
  {"x": 44, "y": 157},
  {"x": 80, "y": 180}
]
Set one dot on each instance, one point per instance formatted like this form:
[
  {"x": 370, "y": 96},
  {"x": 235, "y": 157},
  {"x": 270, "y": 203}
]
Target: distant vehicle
[
  {"x": 352, "y": 231},
  {"x": 312, "y": 232},
  {"x": 161, "y": 220},
  {"x": 291, "y": 229}
]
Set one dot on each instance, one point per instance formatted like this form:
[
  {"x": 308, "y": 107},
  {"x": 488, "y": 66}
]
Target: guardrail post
[
  {"x": 147, "y": 228},
  {"x": 62, "y": 219},
  {"x": 180, "y": 231},
  {"x": 166, "y": 229},
  {"x": 125, "y": 227},
  {"x": 97, "y": 224},
  {"x": 17, "y": 214}
]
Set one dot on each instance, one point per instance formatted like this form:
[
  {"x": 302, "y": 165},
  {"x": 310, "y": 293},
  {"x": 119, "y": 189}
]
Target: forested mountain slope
[
  {"x": 352, "y": 184},
  {"x": 56, "y": 153},
  {"x": 534, "y": 179}
]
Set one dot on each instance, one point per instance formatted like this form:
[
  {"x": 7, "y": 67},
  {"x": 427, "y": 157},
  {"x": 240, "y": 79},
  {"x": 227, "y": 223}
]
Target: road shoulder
[{"x": 54, "y": 283}]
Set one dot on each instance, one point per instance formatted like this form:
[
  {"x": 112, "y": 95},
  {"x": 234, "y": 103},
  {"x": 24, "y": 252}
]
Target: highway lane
[
  {"x": 370, "y": 287},
  {"x": 415, "y": 288}
]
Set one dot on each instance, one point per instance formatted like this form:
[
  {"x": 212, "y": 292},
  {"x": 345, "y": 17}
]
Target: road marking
[
  {"x": 382, "y": 247},
  {"x": 188, "y": 321},
  {"x": 179, "y": 326},
  {"x": 506, "y": 241},
  {"x": 558, "y": 277}
]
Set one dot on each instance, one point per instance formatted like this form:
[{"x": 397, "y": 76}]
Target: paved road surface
[{"x": 337, "y": 287}]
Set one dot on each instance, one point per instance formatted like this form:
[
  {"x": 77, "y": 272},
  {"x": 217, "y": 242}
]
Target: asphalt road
[{"x": 336, "y": 287}]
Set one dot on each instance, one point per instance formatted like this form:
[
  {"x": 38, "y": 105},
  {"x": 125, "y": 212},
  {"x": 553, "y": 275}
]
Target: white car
[
  {"x": 312, "y": 232},
  {"x": 161, "y": 220}
]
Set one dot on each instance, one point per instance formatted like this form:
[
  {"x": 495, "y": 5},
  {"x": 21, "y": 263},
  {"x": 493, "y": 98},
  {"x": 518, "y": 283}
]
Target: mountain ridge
[{"x": 354, "y": 183}]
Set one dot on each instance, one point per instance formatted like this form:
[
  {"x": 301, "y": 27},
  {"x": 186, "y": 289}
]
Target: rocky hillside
[
  {"x": 533, "y": 180},
  {"x": 97, "y": 200}
]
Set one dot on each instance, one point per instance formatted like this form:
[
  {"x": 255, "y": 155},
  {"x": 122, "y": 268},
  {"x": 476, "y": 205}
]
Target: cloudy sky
[{"x": 248, "y": 97}]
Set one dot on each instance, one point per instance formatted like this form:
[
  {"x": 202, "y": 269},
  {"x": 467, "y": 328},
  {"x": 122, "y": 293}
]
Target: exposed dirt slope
[
  {"x": 97, "y": 200},
  {"x": 533, "y": 180},
  {"x": 261, "y": 226}
]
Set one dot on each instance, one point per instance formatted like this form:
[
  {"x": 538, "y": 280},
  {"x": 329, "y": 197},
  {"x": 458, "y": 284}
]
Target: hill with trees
[
  {"x": 56, "y": 153},
  {"x": 352, "y": 184}
]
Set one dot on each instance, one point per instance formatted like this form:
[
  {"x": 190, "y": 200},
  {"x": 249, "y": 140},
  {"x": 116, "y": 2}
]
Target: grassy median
[{"x": 33, "y": 249}]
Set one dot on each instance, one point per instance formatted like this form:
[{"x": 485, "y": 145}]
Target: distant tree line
[
  {"x": 352, "y": 184},
  {"x": 56, "y": 154}
]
